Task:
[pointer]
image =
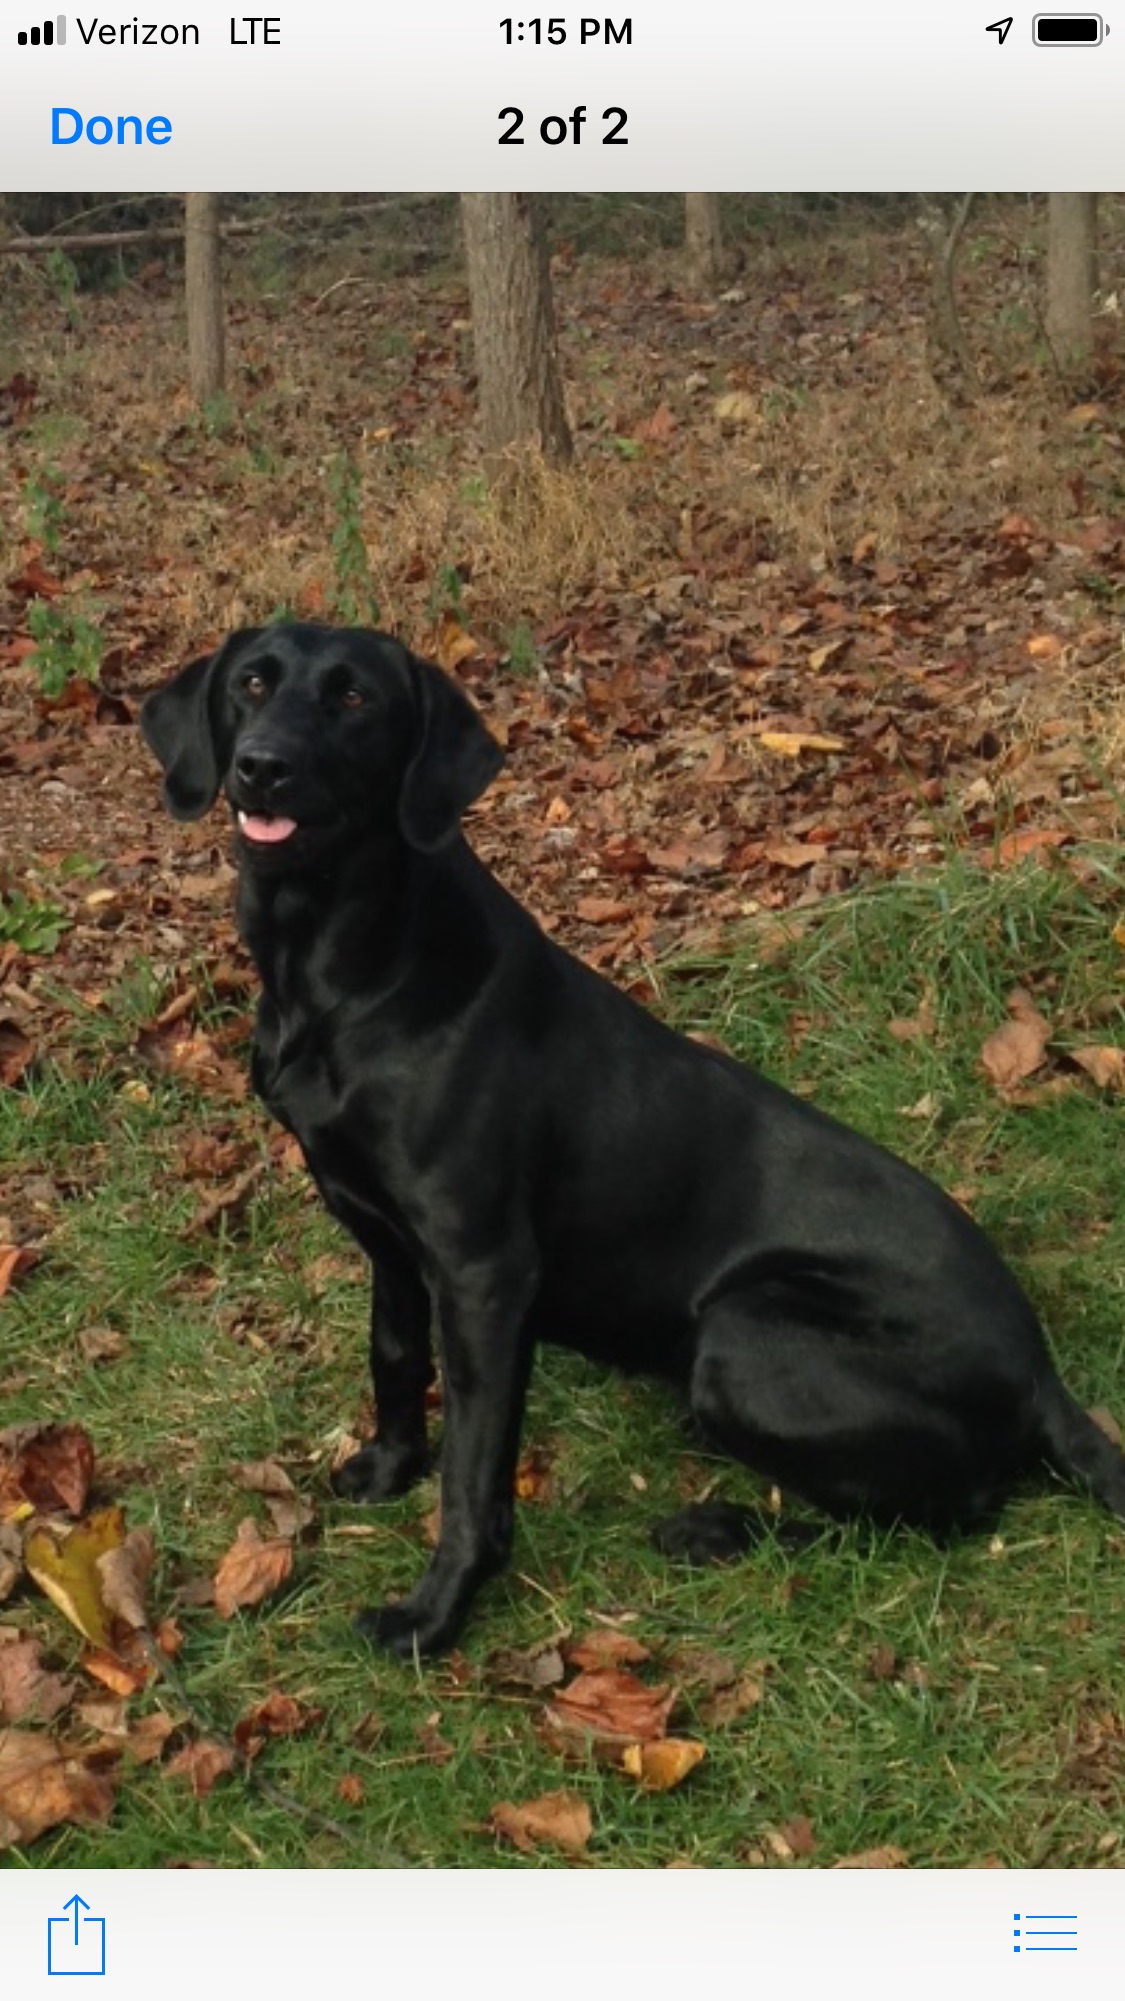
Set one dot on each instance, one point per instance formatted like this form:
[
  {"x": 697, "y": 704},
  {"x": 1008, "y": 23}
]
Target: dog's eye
[
  {"x": 353, "y": 698},
  {"x": 254, "y": 685}
]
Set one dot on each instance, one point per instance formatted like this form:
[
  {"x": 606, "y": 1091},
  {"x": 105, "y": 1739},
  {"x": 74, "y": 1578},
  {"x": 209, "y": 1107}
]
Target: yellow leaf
[
  {"x": 64, "y": 1564},
  {"x": 790, "y": 743},
  {"x": 662, "y": 1765}
]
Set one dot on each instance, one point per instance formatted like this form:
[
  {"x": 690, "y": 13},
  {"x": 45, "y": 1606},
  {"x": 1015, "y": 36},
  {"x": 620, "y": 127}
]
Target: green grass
[{"x": 250, "y": 1342}]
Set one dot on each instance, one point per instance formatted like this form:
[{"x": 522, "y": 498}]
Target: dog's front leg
[
  {"x": 401, "y": 1370},
  {"x": 486, "y": 1360}
]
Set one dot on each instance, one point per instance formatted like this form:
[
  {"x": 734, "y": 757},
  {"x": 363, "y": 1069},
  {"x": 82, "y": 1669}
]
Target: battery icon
[{"x": 1067, "y": 31}]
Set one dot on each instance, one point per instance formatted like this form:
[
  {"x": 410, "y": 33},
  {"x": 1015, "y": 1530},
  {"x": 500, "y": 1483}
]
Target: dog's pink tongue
[{"x": 257, "y": 828}]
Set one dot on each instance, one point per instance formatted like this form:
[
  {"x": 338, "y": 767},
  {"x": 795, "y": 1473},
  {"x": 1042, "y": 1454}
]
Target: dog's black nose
[{"x": 263, "y": 770}]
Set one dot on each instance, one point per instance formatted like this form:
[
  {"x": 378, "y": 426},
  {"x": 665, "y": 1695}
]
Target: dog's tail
[{"x": 1080, "y": 1450}]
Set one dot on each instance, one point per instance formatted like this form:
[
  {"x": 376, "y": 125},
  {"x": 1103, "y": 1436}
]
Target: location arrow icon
[{"x": 1000, "y": 28}]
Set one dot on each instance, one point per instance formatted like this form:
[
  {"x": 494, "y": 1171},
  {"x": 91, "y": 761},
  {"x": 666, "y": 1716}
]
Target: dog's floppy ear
[
  {"x": 182, "y": 725},
  {"x": 452, "y": 761}
]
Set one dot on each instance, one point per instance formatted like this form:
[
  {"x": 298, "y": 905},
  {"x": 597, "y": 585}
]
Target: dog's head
[{"x": 319, "y": 735}]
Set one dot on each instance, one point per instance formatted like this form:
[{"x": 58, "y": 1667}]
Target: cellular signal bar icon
[{"x": 47, "y": 36}]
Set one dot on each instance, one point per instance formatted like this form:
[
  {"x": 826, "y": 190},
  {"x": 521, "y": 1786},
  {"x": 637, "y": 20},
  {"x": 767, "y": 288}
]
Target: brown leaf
[
  {"x": 201, "y": 1763},
  {"x": 612, "y": 1706},
  {"x": 101, "y": 1344},
  {"x": 252, "y": 1567},
  {"x": 539, "y": 1667},
  {"x": 875, "y": 1858},
  {"x": 533, "y": 1475},
  {"x": 16, "y": 1051},
  {"x": 662, "y": 1765},
  {"x": 28, "y": 1691},
  {"x": 798, "y": 1835},
  {"x": 1013, "y": 1051},
  {"x": 124, "y": 1677},
  {"x": 350, "y": 1789},
  {"x": 11, "y": 1558},
  {"x": 561, "y": 1820},
  {"x": 1030, "y": 841},
  {"x": 125, "y": 1572},
  {"x": 278, "y": 1716},
  {"x": 453, "y": 644},
  {"x": 263, "y": 1476},
  {"x": 1105, "y": 1064},
  {"x": 40, "y": 1786},
  {"x": 734, "y": 1700},
  {"x": 603, "y": 1648},
  {"x": 227, "y": 1202},
  {"x": 47, "y": 1467},
  {"x": 146, "y": 1738},
  {"x": 790, "y": 743},
  {"x": 1105, "y": 1421},
  {"x": 602, "y": 910},
  {"x": 795, "y": 854}
]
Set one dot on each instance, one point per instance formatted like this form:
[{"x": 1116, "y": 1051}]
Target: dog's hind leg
[{"x": 829, "y": 1416}]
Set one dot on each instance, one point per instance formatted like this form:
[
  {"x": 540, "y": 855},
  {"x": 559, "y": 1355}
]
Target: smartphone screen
[{"x": 698, "y": 431}]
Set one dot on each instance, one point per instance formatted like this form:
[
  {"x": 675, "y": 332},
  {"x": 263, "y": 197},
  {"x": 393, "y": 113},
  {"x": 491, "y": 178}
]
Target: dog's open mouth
[{"x": 264, "y": 827}]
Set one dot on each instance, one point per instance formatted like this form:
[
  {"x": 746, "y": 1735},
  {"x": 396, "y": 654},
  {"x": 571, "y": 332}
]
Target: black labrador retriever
[{"x": 527, "y": 1155}]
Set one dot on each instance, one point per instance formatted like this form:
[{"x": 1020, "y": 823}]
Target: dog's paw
[
  {"x": 377, "y": 1472},
  {"x": 402, "y": 1630}
]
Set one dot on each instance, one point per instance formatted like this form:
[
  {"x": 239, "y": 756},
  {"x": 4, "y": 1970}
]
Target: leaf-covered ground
[{"x": 794, "y": 626}]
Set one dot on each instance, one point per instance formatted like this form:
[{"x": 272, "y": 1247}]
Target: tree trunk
[
  {"x": 519, "y": 387},
  {"x": 204, "y": 293},
  {"x": 703, "y": 240},
  {"x": 1072, "y": 276}
]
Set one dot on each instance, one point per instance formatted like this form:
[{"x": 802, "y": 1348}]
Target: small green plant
[
  {"x": 33, "y": 927},
  {"x": 353, "y": 597},
  {"x": 44, "y": 510},
  {"x": 61, "y": 273},
  {"x": 67, "y": 645},
  {"x": 218, "y": 414},
  {"x": 447, "y": 592},
  {"x": 522, "y": 654}
]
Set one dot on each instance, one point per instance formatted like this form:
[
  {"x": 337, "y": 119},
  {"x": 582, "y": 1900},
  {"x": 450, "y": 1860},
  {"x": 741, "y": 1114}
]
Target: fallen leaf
[
  {"x": 278, "y": 1716},
  {"x": 124, "y": 1677},
  {"x": 790, "y": 743},
  {"x": 201, "y": 1763},
  {"x": 11, "y": 1558},
  {"x": 562, "y": 1820},
  {"x": 453, "y": 643},
  {"x": 798, "y": 1834},
  {"x": 252, "y": 1567},
  {"x": 795, "y": 854},
  {"x": 16, "y": 1051},
  {"x": 539, "y": 1667},
  {"x": 1105, "y": 1421},
  {"x": 612, "y": 1706},
  {"x": 1013, "y": 1051},
  {"x": 64, "y": 1563},
  {"x": 350, "y": 1789},
  {"x": 40, "y": 1786},
  {"x": 533, "y": 1475},
  {"x": 874, "y": 1858},
  {"x": 124, "y": 1573},
  {"x": 29, "y": 1692},
  {"x": 602, "y": 910},
  {"x": 662, "y": 1765},
  {"x": 733, "y": 1700},
  {"x": 736, "y": 407},
  {"x": 1029, "y": 841},
  {"x": 47, "y": 1467},
  {"x": 604, "y": 1648},
  {"x": 1106, "y": 1065}
]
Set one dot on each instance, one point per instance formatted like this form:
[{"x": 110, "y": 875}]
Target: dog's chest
[{"x": 301, "y": 1073}]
